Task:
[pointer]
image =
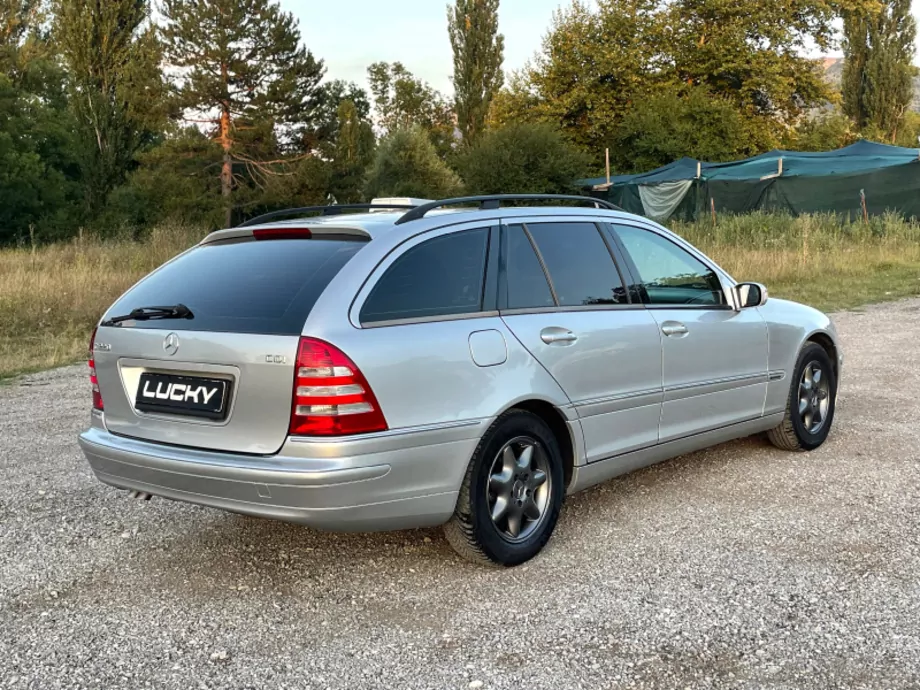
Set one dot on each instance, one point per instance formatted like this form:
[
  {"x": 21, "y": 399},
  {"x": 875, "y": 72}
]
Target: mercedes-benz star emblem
[{"x": 171, "y": 344}]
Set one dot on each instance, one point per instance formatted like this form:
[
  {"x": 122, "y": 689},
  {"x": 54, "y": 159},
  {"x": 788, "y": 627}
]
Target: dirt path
[{"x": 739, "y": 567}]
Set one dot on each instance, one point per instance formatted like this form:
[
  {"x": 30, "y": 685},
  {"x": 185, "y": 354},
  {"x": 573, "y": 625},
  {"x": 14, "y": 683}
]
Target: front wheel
[
  {"x": 811, "y": 404},
  {"x": 511, "y": 495}
]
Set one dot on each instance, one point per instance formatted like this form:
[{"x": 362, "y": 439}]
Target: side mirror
[{"x": 751, "y": 295}]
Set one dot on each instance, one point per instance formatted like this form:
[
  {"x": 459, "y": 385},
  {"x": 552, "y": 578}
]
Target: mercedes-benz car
[{"x": 466, "y": 362}]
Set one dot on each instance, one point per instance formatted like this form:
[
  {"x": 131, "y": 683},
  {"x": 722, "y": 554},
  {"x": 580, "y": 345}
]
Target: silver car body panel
[
  {"x": 714, "y": 370},
  {"x": 587, "y": 476},
  {"x": 790, "y": 325},
  {"x": 628, "y": 393},
  {"x": 260, "y": 391},
  {"x": 611, "y": 373}
]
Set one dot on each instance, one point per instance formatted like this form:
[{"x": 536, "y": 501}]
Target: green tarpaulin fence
[{"x": 789, "y": 181}]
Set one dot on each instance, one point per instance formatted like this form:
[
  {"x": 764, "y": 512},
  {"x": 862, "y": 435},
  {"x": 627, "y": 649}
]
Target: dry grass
[
  {"x": 817, "y": 259},
  {"x": 50, "y": 297}
]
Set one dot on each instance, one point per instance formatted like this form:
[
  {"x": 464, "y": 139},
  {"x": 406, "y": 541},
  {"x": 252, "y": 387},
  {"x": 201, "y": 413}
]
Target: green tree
[
  {"x": 909, "y": 131},
  {"x": 673, "y": 123},
  {"x": 521, "y": 159},
  {"x": 173, "y": 182},
  {"x": 18, "y": 18},
  {"x": 826, "y": 131},
  {"x": 407, "y": 164},
  {"x": 516, "y": 102},
  {"x": 879, "y": 48},
  {"x": 597, "y": 64},
  {"x": 353, "y": 152},
  {"x": 322, "y": 132},
  {"x": 239, "y": 66},
  {"x": 753, "y": 53},
  {"x": 112, "y": 56},
  {"x": 39, "y": 192},
  {"x": 592, "y": 66},
  {"x": 306, "y": 183},
  {"x": 402, "y": 101},
  {"x": 478, "y": 55},
  {"x": 39, "y": 176}
]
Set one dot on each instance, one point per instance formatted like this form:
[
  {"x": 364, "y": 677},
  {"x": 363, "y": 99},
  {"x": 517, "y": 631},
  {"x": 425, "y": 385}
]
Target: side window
[
  {"x": 669, "y": 274},
  {"x": 526, "y": 282},
  {"x": 441, "y": 277},
  {"x": 579, "y": 264}
]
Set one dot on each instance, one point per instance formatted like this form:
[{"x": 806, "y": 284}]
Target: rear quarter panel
[
  {"x": 423, "y": 374},
  {"x": 790, "y": 325}
]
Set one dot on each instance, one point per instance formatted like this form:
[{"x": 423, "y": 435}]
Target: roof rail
[
  {"x": 332, "y": 210},
  {"x": 494, "y": 201}
]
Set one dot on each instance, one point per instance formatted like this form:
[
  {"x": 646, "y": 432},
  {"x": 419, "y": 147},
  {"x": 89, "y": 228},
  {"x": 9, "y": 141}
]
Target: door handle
[
  {"x": 674, "y": 329},
  {"x": 557, "y": 336}
]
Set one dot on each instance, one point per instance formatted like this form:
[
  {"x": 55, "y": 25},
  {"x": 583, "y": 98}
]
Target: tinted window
[
  {"x": 526, "y": 282},
  {"x": 669, "y": 274},
  {"x": 440, "y": 277},
  {"x": 244, "y": 286},
  {"x": 579, "y": 264}
]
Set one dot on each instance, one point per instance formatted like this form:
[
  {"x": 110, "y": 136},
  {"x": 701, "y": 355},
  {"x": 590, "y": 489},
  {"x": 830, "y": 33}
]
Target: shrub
[
  {"x": 406, "y": 164},
  {"x": 676, "y": 123},
  {"x": 824, "y": 132},
  {"x": 519, "y": 159}
]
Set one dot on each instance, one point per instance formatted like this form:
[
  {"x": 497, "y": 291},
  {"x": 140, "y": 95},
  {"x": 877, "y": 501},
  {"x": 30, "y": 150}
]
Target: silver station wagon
[{"x": 467, "y": 362}]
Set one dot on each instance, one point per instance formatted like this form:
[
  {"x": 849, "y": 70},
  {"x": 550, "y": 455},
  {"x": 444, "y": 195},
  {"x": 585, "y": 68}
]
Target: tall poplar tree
[
  {"x": 478, "y": 55},
  {"x": 240, "y": 66},
  {"x": 878, "y": 70},
  {"x": 353, "y": 152}
]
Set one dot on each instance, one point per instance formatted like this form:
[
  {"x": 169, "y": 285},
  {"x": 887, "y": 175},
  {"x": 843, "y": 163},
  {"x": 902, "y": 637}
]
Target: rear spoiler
[{"x": 317, "y": 230}]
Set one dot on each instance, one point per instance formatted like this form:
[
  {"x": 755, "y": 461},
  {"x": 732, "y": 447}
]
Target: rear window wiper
[{"x": 179, "y": 311}]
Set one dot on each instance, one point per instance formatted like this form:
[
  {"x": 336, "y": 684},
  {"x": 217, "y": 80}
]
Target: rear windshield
[{"x": 244, "y": 286}]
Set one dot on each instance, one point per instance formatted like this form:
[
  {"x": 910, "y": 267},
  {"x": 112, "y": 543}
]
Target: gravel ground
[{"x": 738, "y": 567}]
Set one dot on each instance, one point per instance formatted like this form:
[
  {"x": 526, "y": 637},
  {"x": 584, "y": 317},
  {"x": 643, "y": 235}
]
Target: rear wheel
[
  {"x": 811, "y": 404},
  {"x": 512, "y": 493}
]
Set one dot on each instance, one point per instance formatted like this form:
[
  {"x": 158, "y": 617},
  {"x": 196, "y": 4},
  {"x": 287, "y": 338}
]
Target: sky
[{"x": 351, "y": 34}]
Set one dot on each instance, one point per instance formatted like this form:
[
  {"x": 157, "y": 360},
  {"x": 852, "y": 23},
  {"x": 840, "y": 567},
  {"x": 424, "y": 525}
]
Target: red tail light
[
  {"x": 331, "y": 397},
  {"x": 97, "y": 395}
]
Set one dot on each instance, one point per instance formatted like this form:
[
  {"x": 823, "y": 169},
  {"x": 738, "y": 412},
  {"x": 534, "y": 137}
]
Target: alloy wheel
[
  {"x": 814, "y": 397},
  {"x": 519, "y": 488}
]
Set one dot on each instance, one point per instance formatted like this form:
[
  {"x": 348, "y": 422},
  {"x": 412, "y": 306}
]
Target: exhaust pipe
[{"x": 141, "y": 495}]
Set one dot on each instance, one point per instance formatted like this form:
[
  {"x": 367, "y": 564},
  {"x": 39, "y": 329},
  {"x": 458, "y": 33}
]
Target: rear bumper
[{"x": 387, "y": 481}]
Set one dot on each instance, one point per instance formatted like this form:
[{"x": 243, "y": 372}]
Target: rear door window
[
  {"x": 580, "y": 265},
  {"x": 526, "y": 284},
  {"x": 243, "y": 286},
  {"x": 443, "y": 276}
]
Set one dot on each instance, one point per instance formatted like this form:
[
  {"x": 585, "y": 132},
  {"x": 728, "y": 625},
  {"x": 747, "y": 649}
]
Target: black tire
[
  {"x": 793, "y": 434},
  {"x": 472, "y": 531}
]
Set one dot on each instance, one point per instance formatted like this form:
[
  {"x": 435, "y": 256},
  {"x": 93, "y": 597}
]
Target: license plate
[{"x": 191, "y": 396}]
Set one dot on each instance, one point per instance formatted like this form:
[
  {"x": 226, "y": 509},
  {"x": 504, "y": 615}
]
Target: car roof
[{"x": 376, "y": 224}]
